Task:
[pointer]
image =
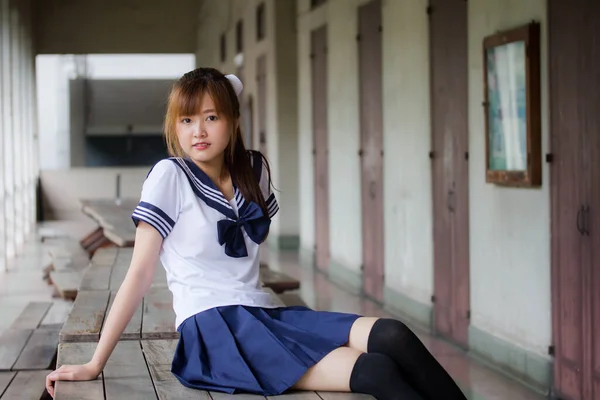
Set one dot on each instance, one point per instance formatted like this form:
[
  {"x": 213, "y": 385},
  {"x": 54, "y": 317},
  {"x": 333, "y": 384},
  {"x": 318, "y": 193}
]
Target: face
[{"x": 205, "y": 135}]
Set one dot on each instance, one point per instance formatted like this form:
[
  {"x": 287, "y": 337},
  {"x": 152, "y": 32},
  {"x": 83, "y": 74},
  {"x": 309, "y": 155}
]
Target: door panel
[
  {"x": 261, "y": 89},
  {"x": 320, "y": 151},
  {"x": 591, "y": 131},
  {"x": 450, "y": 180},
  {"x": 574, "y": 68},
  {"x": 371, "y": 128}
]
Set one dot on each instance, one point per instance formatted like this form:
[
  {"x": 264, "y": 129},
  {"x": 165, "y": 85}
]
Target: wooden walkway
[{"x": 27, "y": 352}]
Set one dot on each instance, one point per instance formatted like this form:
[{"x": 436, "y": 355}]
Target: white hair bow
[{"x": 236, "y": 83}]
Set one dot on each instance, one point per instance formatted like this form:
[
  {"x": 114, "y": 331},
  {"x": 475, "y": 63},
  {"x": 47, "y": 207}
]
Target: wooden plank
[
  {"x": 158, "y": 319},
  {"x": 160, "y": 277},
  {"x": 278, "y": 281},
  {"x": 133, "y": 330},
  {"x": 86, "y": 318},
  {"x": 105, "y": 256},
  {"x": 5, "y": 379},
  {"x": 120, "y": 237},
  {"x": 67, "y": 282},
  {"x": 126, "y": 375},
  {"x": 40, "y": 350},
  {"x": 344, "y": 396},
  {"x": 32, "y": 315},
  {"x": 159, "y": 355},
  {"x": 12, "y": 343},
  {"x": 120, "y": 268},
  {"x": 96, "y": 277},
  {"x": 75, "y": 354},
  {"x": 292, "y": 299},
  {"x": 27, "y": 385},
  {"x": 298, "y": 395},
  {"x": 241, "y": 396}
]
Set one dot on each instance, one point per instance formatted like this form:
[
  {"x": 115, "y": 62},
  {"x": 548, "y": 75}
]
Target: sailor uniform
[{"x": 234, "y": 337}]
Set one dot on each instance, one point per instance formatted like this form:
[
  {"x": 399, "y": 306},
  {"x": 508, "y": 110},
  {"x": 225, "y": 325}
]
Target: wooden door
[
  {"x": 450, "y": 180},
  {"x": 371, "y": 147},
  {"x": 321, "y": 147},
  {"x": 574, "y": 79},
  {"x": 261, "y": 89}
]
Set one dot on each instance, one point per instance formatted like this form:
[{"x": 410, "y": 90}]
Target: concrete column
[
  {"x": 7, "y": 148},
  {"x": 283, "y": 137}
]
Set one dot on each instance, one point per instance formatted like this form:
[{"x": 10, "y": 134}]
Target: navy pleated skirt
[{"x": 239, "y": 349}]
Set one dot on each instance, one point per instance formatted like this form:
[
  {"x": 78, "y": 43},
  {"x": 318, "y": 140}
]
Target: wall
[
  {"x": 61, "y": 96},
  {"x": 509, "y": 241},
  {"x": 18, "y": 136},
  {"x": 279, "y": 46},
  {"x": 343, "y": 129},
  {"x": 63, "y": 189},
  {"x": 135, "y": 26},
  {"x": 510, "y": 228},
  {"x": 407, "y": 140}
]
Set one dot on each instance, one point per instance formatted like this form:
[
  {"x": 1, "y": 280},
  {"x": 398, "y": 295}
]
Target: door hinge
[
  {"x": 551, "y": 350},
  {"x": 429, "y": 10},
  {"x": 468, "y": 314},
  {"x": 358, "y": 37},
  {"x": 466, "y": 155},
  {"x": 549, "y": 157},
  {"x": 433, "y": 298},
  {"x": 432, "y": 155},
  {"x": 360, "y": 152}
]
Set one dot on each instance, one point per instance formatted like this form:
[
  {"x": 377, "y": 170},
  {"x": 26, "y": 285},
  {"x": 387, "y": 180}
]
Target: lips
[{"x": 201, "y": 145}]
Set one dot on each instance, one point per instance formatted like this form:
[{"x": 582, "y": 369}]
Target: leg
[
  {"x": 349, "y": 370},
  {"x": 394, "y": 339}
]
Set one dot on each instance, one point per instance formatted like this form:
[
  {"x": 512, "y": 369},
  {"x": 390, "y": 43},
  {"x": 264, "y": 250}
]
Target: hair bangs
[{"x": 186, "y": 100}]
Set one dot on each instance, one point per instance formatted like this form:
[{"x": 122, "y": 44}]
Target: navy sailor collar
[{"x": 250, "y": 215}]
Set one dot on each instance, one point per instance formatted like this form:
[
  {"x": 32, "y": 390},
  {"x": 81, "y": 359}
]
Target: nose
[{"x": 199, "y": 131}]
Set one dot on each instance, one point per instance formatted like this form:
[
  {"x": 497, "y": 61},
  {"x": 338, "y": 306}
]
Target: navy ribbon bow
[{"x": 255, "y": 223}]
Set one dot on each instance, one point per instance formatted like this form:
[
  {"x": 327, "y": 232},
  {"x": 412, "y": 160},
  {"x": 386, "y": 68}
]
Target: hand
[{"x": 85, "y": 372}]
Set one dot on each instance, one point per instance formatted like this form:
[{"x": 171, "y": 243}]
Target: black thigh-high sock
[
  {"x": 379, "y": 376},
  {"x": 418, "y": 366}
]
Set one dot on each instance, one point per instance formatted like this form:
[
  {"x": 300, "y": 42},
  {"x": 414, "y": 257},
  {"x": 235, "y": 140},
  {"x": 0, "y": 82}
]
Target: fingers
[
  {"x": 49, "y": 386},
  {"x": 61, "y": 374}
]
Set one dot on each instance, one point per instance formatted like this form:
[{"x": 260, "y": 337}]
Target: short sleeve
[
  {"x": 265, "y": 188},
  {"x": 160, "y": 200}
]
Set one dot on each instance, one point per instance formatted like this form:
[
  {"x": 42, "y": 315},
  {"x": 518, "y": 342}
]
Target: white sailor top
[{"x": 210, "y": 245}]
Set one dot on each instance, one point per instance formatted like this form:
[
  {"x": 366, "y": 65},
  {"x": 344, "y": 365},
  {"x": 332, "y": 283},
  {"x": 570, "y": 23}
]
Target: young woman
[{"x": 204, "y": 211}]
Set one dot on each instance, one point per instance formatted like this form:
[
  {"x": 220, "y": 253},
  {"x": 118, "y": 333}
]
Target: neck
[{"x": 215, "y": 168}]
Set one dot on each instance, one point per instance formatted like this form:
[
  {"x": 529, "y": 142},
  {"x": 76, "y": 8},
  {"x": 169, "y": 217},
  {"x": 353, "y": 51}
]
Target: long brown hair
[{"x": 185, "y": 98}]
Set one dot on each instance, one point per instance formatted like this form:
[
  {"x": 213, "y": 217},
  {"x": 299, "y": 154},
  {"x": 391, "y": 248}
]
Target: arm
[{"x": 129, "y": 296}]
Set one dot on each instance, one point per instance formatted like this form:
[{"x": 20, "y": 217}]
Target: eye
[
  {"x": 186, "y": 120},
  {"x": 212, "y": 118}
]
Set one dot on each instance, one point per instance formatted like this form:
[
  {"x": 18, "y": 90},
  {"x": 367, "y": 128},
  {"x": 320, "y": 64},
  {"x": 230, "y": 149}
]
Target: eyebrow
[{"x": 210, "y": 110}]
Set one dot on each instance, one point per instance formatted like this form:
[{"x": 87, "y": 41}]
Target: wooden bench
[
  {"x": 114, "y": 219},
  {"x": 154, "y": 318},
  {"x": 69, "y": 262},
  {"x": 141, "y": 369}
]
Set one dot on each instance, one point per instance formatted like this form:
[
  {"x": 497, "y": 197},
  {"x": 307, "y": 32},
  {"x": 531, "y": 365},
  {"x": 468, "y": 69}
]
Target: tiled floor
[
  {"x": 477, "y": 381},
  {"x": 23, "y": 283}
]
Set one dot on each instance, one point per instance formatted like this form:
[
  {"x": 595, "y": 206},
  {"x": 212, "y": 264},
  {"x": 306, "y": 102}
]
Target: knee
[
  {"x": 373, "y": 369},
  {"x": 389, "y": 332}
]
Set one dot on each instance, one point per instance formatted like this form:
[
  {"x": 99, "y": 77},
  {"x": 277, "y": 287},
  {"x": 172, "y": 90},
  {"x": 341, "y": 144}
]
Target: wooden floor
[{"x": 23, "y": 284}]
